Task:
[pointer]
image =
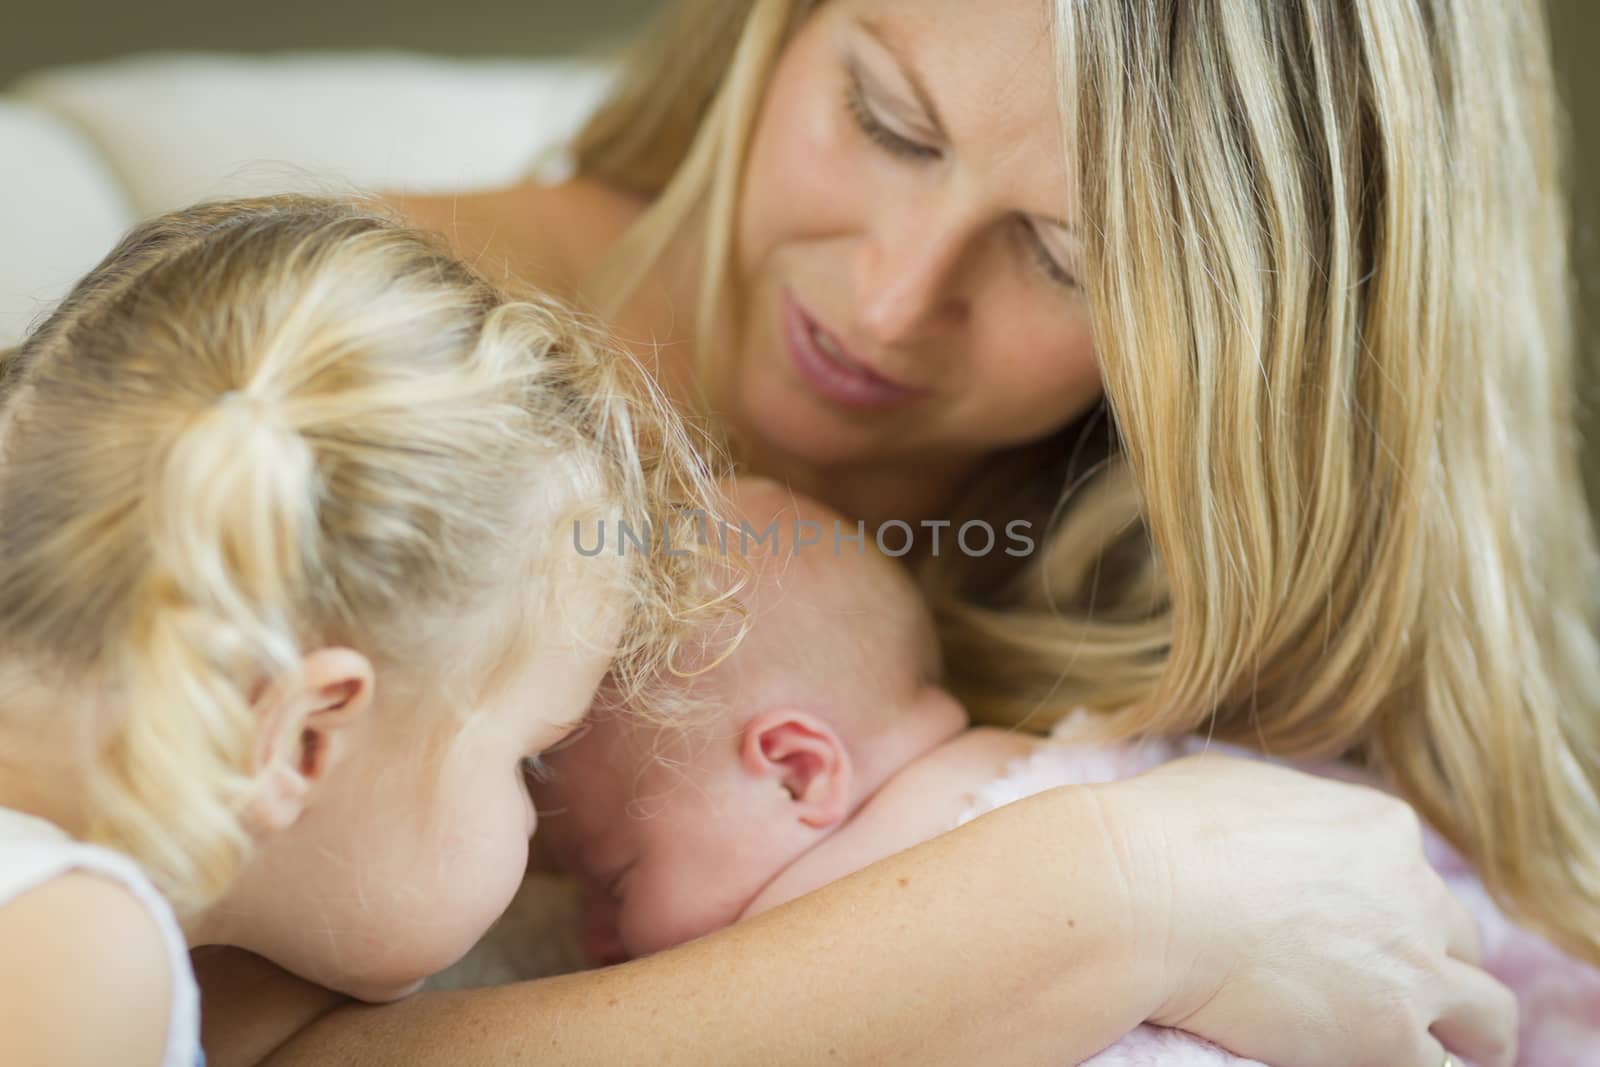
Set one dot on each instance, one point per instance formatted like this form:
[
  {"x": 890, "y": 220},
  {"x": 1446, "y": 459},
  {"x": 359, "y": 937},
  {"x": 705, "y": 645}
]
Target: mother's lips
[{"x": 831, "y": 370}]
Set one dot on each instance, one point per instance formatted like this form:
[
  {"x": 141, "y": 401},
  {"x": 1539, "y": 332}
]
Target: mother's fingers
[
  {"x": 1430, "y": 1053},
  {"x": 1461, "y": 929},
  {"x": 1477, "y": 1016}
]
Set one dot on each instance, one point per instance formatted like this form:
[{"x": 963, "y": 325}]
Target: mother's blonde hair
[
  {"x": 262, "y": 426},
  {"x": 1334, "y": 504}
]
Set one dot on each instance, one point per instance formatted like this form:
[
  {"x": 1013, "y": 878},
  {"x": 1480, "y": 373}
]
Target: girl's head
[
  {"x": 1316, "y": 269},
  {"x": 286, "y": 496}
]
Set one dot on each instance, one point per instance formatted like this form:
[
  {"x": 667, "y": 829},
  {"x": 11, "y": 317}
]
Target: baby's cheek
[
  {"x": 662, "y": 915},
  {"x": 602, "y": 945},
  {"x": 643, "y": 921},
  {"x": 555, "y": 835}
]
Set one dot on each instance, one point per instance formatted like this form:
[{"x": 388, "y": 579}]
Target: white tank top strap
[{"x": 33, "y": 851}]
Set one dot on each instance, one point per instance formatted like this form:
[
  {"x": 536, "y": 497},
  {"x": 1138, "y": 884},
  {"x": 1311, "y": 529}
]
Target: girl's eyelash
[
  {"x": 876, "y": 131},
  {"x": 535, "y": 768}
]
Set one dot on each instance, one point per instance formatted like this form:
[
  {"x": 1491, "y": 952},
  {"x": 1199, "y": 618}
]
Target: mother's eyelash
[
  {"x": 867, "y": 121},
  {"x": 1045, "y": 261}
]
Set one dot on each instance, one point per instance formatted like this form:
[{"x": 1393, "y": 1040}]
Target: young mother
[{"x": 1258, "y": 311}]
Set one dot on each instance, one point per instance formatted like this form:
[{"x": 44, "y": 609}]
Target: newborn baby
[{"x": 823, "y": 742}]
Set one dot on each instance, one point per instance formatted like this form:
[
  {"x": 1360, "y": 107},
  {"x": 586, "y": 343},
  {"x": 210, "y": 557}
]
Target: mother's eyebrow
[{"x": 892, "y": 43}]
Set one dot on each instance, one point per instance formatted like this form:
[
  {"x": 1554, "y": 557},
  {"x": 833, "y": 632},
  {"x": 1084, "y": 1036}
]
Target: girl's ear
[
  {"x": 804, "y": 755},
  {"x": 305, "y": 732}
]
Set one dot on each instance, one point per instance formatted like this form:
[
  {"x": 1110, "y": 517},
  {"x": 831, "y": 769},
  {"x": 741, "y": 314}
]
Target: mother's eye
[
  {"x": 1045, "y": 260},
  {"x": 876, "y": 130}
]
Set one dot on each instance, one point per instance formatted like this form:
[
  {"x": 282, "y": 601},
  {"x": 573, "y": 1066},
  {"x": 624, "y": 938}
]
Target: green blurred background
[{"x": 38, "y": 33}]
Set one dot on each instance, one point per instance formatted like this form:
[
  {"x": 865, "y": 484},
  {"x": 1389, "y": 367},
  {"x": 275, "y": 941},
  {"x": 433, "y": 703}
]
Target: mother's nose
[{"x": 905, "y": 280}]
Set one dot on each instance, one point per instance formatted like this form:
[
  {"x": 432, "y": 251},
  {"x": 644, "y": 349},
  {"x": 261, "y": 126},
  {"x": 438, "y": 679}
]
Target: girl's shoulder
[
  {"x": 94, "y": 968},
  {"x": 86, "y": 975},
  {"x": 551, "y": 237}
]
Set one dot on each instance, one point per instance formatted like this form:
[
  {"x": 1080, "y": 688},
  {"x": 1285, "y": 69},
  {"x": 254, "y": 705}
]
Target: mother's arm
[
  {"x": 1250, "y": 904},
  {"x": 943, "y": 954}
]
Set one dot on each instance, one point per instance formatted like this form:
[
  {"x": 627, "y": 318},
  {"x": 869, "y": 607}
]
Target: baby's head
[
  {"x": 276, "y": 480},
  {"x": 833, "y": 689}
]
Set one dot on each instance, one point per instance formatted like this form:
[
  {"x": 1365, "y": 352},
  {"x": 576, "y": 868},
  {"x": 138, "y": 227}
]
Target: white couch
[{"x": 87, "y": 151}]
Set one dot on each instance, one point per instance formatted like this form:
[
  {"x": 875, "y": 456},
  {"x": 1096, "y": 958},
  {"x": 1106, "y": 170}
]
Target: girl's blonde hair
[
  {"x": 264, "y": 425},
  {"x": 1332, "y": 503}
]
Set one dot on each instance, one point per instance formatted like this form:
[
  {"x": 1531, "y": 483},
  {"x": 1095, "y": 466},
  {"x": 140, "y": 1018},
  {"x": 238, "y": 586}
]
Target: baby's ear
[
  {"x": 804, "y": 755},
  {"x": 305, "y": 732}
]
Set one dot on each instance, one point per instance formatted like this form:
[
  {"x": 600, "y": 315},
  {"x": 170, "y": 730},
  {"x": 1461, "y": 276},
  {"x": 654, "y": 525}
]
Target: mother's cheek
[
  {"x": 1034, "y": 370},
  {"x": 805, "y": 175}
]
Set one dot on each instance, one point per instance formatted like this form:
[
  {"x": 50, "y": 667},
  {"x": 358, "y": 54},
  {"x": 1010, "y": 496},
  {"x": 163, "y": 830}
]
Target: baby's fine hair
[{"x": 264, "y": 425}]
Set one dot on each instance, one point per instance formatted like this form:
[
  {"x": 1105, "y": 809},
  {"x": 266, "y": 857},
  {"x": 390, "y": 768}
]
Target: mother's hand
[{"x": 1299, "y": 922}]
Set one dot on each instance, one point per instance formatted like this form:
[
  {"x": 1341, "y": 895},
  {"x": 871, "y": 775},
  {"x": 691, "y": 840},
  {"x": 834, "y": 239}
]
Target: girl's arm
[{"x": 1289, "y": 918}]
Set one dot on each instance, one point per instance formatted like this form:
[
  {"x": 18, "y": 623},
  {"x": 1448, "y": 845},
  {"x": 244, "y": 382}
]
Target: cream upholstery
[{"x": 87, "y": 151}]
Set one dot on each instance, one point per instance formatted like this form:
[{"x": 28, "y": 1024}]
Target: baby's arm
[
  {"x": 85, "y": 978},
  {"x": 923, "y": 800}
]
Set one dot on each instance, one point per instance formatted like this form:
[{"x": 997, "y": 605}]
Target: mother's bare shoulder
[{"x": 548, "y": 236}]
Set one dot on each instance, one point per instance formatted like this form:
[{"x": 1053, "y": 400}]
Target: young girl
[{"x": 289, "y": 599}]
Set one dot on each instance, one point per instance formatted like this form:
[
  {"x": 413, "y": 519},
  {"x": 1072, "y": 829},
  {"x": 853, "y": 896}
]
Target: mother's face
[{"x": 910, "y": 292}]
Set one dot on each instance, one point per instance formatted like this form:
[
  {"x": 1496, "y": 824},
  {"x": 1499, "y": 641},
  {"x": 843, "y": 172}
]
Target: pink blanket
[{"x": 1559, "y": 997}]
